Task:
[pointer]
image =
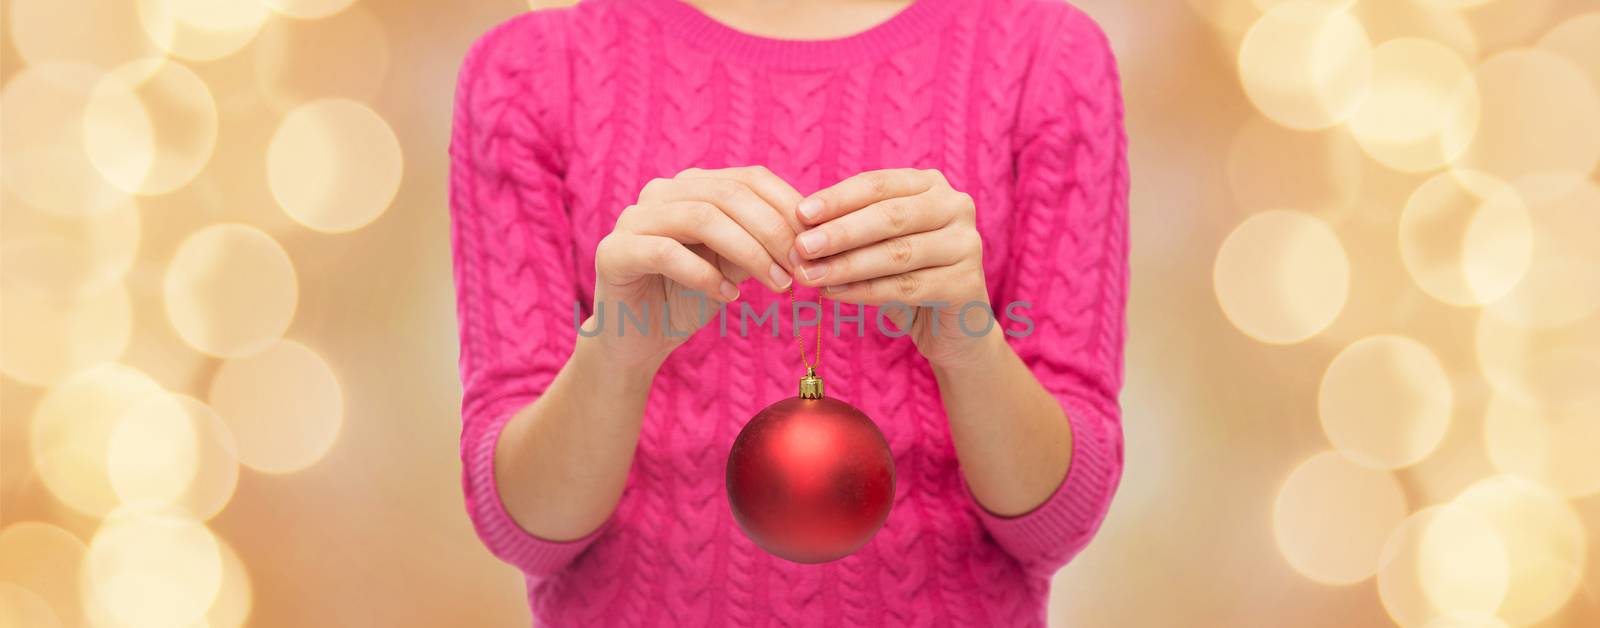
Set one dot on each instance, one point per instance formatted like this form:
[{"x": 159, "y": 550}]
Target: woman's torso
[{"x": 659, "y": 89}]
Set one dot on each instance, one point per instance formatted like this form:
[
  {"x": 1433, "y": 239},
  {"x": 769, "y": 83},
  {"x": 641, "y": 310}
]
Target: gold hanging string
[
  {"x": 811, "y": 384},
  {"x": 801, "y": 338}
]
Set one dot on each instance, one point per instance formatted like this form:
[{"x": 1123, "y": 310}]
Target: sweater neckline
[{"x": 912, "y": 23}]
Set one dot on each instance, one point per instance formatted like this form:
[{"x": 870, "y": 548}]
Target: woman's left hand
[{"x": 902, "y": 237}]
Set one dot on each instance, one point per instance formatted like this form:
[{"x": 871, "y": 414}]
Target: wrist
[
  {"x": 981, "y": 353},
  {"x": 593, "y": 355}
]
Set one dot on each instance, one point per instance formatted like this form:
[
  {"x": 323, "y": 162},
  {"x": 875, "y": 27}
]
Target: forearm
[
  {"x": 563, "y": 460},
  {"x": 1011, "y": 436}
]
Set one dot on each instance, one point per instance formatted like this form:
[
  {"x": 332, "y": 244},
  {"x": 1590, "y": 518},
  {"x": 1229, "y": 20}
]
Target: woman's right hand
[{"x": 685, "y": 246}]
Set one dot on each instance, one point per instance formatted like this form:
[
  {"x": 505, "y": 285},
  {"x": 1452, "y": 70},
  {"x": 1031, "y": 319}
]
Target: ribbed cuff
[
  {"x": 536, "y": 557},
  {"x": 1057, "y": 529}
]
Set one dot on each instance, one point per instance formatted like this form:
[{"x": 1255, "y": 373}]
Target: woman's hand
[
  {"x": 685, "y": 246},
  {"x": 907, "y": 237}
]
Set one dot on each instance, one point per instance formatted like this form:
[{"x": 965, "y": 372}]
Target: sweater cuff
[
  {"x": 536, "y": 557},
  {"x": 1056, "y": 530}
]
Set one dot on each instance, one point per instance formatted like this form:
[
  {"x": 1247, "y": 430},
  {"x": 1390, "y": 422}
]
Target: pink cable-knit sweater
[{"x": 563, "y": 115}]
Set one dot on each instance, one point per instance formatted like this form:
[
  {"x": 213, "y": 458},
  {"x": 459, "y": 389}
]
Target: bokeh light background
[{"x": 1363, "y": 374}]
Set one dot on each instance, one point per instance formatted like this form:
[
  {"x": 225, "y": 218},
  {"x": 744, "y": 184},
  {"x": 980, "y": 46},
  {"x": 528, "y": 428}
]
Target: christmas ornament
[{"x": 810, "y": 478}]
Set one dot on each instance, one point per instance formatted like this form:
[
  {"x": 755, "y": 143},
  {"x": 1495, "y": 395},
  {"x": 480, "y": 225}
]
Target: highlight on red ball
[{"x": 810, "y": 480}]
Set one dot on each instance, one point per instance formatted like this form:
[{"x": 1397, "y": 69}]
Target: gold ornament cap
[{"x": 811, "y": 385}]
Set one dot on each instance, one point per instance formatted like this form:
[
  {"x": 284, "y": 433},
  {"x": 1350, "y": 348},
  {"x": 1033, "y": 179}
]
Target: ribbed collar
[{"x": 917, "y": 21}]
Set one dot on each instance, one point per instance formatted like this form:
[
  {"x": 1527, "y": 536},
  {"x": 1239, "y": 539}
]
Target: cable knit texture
[{"x": 563, "y": 115}]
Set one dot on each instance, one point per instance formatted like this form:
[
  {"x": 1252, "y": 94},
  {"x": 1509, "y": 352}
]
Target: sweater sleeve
[
  {"x": 514, "y": 266},
  {"x": 1069, "y": 261}
]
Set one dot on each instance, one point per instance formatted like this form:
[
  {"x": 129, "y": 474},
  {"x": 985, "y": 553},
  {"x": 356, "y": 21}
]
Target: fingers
[
  {"x": 913, "y": 288},
  {"x": 625, "y": 257},
  {"x": 890, "y": 257},
  {"x": 770, "y": 187},
  {"x": 738, "y": 201},
  {"x": 877, "y": 222},
  {"x": 699, "y": 222},
  {"x": 730, "y": 270},
  {"x": 862, "y": 190}
]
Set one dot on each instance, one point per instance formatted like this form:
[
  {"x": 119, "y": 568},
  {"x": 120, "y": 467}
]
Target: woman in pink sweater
[{"x": 617, "y": 154}]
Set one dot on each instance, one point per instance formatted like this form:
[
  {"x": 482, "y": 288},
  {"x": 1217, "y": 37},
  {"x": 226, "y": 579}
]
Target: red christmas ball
[{"x": 810, "y": 480}]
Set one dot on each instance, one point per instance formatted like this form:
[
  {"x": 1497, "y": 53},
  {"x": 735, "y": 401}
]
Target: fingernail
[
  {"x": 729, "y": 291},
  {"x": 779, "y": 278},
  {"x": 794, "y": 259},
  {"x": 838, "y": 288},
  {"x": 814, "y": 272},
  {"x": 809, "y": 208},
  {"x": 812, "y": 241}
]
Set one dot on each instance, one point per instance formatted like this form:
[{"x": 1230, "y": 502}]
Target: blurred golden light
[
  {"x": 344, "y": 56},
  {"x": 1465, "y": 620},
  {"x": 1551, "y": 444},
  {"x": 1577, "y": 39},
  {"x": 1566, "y": 254},
  {"x": 1465, "y": 238},
  {"x": 1305, "y": 65},
  {"x": 1331, "y": 4},
  {"x": 1442, "y": 560},
  {"x": 1508, "y": 23},
  {"x": 1540, "y": 115},
  {"x": 1419, "y": 88},
  {"x": 309, "y": 9},
  {"x": 117, "y": 131},
  {"x": 62, "y": 31},
  {"x": 216, "y": 461},
  {"x": 1458, "y": 563},
  {"x": 202, "y": 30},
  {"x": 153, "y": 453},
  {"x": 1271, "y": 166},
  {"x": 1544, "y": 543},
  {"x": 1549, "y": 366},
  {"x": 1232, "y": 17},
  {"x": 1385, "y": 402},
  {"x": 219, "y": 15},
  {"x": 44, "y": 339},
  {"x": 156, "y": 348},
  {"x": 1458, "y": 463},
  {"x": 150, "y": 569},
  {"x": 71, "y": 433},
  {"x": 284, "y": 406},
  {"x": 230, "y": 290},
  {"x": 44, "y": 559},
  {"x": 21, "y": 608},
  {"x": 1281, "y": 276},
  {"x": 1387, "y": 21},
  {"x": 1331, "y": 518},
  {"x": 42, "y": 131},
  {"x": 1456, "y": 4},
  {"x": 1454, "y": 577},
  {"x": 235, "y": 596},
  {"x": 334, "y": 165},
  {"x": 66, "y": 256},
  {"x": 150, "y": 126},
  {"x": 65, "y": 307}
]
